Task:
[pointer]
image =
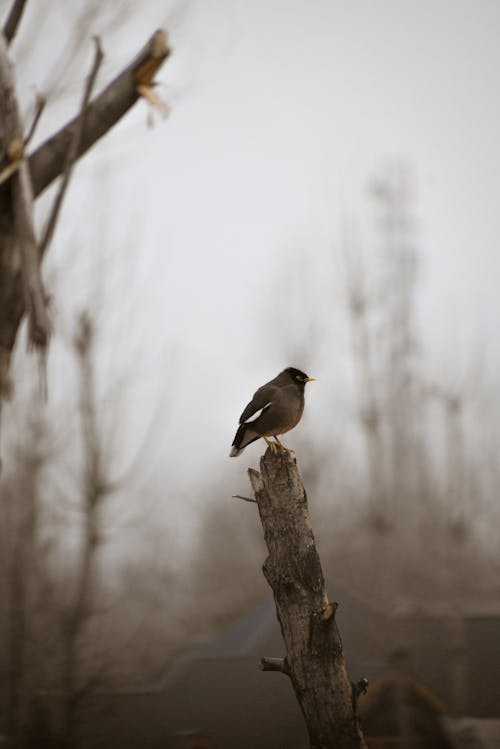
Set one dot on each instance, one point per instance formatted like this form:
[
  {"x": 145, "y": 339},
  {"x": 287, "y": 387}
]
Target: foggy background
[{"x": 322, "y": 194}]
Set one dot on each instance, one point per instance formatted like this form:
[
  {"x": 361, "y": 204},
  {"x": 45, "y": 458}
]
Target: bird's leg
[
  {"x": 281, "y": 445},
  {"x": 271, "y": 445}
]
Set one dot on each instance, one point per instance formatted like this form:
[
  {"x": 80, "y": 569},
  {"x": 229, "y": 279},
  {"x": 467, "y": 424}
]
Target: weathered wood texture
[{"x": 314, "y": 660}]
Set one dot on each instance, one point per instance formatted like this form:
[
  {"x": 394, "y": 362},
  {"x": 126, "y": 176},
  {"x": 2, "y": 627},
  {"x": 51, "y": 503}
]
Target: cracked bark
[{"x": 314, "y": 660}]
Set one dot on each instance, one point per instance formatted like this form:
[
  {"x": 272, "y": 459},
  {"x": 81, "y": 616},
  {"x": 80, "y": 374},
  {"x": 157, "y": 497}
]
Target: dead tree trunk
[{"x": 314, "y": 660}]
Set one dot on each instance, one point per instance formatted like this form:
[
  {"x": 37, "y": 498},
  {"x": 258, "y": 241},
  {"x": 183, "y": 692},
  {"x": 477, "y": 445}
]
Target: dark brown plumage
[{"x": 276, "y": 407}]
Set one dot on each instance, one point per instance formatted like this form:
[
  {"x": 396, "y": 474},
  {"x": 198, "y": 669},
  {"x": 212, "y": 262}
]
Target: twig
[
  {"x": 39, "y": 107},
  {"x": 72, "y": 152},
  {"x": 247, "y": 499},
  {"x": 13, "y": 20}
]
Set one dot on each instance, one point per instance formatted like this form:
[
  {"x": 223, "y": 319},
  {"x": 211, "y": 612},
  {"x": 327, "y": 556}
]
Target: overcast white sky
[{"x": 282, "y": 111}]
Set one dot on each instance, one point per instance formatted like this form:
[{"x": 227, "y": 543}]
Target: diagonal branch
[
  {"x": 47, "y": 162},
  {"x": 39, "y": 107},
  {"x": 13, "y": 20},
  {"x": 72, "y": 152}
]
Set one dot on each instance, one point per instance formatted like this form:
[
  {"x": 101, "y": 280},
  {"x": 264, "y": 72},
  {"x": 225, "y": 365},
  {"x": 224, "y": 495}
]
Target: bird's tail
[{"x": 243, "y": 437}]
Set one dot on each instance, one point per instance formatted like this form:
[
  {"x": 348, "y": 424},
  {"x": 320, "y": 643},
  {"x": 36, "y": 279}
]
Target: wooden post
[{"x": 314, "y": 660}]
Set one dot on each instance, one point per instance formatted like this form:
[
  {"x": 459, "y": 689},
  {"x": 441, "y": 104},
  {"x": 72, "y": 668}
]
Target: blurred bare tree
[
  {"x": 62, "y": 628},
  {"x": 96, "y": 488},
  {"x": 48, "y": 608},
  {"x": 23, "y": 176},
  {"x": 420, "y": 526}
]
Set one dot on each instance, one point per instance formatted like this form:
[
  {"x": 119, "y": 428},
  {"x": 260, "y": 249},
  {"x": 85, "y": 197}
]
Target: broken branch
[
  {"x": 275, "y": 664},
  {"x": 47, "y": 162}
]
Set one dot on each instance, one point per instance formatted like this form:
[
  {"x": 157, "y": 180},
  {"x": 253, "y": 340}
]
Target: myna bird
[{"x": 276, "y": 408}]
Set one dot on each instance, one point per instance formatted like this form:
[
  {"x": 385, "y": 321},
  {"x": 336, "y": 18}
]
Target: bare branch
[
  {"x": 247, "y": 499},
  {"x": 13, "y": 20},
  {"x": 47, "y": 162},
  {"x": 72, "y": 152},
  {"x": 39, "y": 107}
]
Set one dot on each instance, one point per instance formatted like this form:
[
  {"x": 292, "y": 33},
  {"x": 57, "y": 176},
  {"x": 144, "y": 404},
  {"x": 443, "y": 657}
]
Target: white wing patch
[{"x": 257, "y": 414}]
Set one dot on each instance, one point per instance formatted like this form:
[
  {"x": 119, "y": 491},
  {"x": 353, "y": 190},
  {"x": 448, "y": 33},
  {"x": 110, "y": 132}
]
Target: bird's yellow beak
[{"x": 310, "y": 379}]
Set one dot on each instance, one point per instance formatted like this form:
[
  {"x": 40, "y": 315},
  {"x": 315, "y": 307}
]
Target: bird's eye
[{"x": 298, "y": 377}]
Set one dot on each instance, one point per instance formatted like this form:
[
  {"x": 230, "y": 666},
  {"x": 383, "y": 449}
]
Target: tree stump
[{"x": 314, "y": 660}]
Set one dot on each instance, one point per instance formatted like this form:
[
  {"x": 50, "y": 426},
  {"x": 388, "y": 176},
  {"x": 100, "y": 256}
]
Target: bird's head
[{"x": 298, "y": 376}]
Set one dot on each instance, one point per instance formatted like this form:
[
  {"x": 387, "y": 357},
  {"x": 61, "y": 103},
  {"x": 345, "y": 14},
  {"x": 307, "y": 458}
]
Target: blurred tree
[
  {"x": 61, "y": 628},
  {"x": 23, "y": 579},
  {"x": 96, "y": 488},
  {"x": 397, "y": 341},
  {"x": 24, "y": 177},
  {"x": 421, "y": 527}
]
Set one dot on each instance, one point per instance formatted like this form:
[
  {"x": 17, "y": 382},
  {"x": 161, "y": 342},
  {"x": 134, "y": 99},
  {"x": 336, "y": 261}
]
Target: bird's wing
[{"x": 261, "y": 399}]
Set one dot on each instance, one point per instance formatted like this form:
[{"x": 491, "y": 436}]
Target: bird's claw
[{"x": 278, "y": 447}]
